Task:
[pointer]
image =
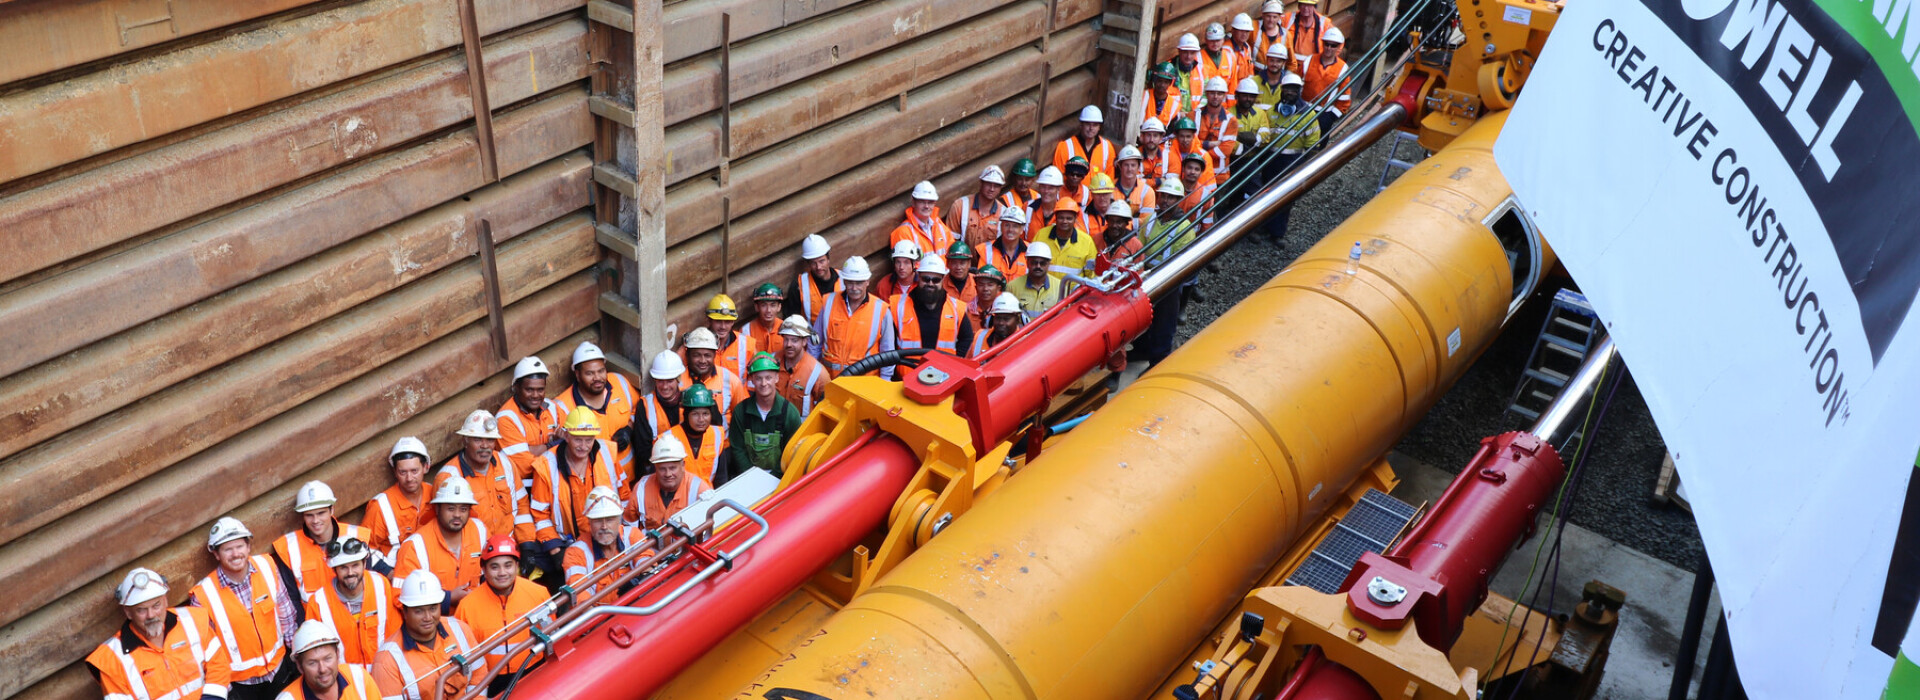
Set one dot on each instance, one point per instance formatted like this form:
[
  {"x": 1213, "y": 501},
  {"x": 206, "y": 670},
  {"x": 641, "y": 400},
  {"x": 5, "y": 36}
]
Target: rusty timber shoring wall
[{"x": 240, "y": 240}]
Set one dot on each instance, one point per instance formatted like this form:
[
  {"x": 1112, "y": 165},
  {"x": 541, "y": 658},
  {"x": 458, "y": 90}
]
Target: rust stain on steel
[
  {"x": 694, "y": 262},
  {"x": 123, "y": 105},
  {"x": 38, "y": 38},
  {"x": 201, "y": 261},
  {"x": 1193, "y": 22},
  {"x": 101, "y": 377},
  {"x": 68, "y": 628},
  {"x": 694, "y": 27},
  {"x": 275, "y": 452},
  {"x": 693, "y": 88},
  {"x": 116, "y": 202},
  {"x": 81, "y": 467}
]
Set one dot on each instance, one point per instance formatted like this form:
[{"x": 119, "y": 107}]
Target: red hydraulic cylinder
[
  {"x": 1438, "y": 574},
  {"x": 818, "y": 519}
]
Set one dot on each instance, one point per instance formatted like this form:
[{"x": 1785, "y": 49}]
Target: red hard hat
[{"x": 499, "y": 546}]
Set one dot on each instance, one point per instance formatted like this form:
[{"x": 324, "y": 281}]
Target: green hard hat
[
  {"x": 1024, "y": 168},
  {"x": 1183, "y": 123},
  {"x": 696, "y": 396},
  {"x": 1164, "y": 70},
  {"x": 959, "y": 249},
  {"x": 768, "y": 292},
  {"x": 992, "y": 273},
  {"x": 762, "y": 362},
  {"x": 1077, "y": 162}
]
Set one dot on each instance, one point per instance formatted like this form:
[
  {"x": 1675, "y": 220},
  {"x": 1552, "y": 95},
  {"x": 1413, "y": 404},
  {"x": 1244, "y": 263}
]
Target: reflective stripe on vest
[
  {"x": 828, "y": 352},
  {"x": 806, "y": 395},
  {"x": 189, "y": 627},
  {"x": 909, "y": 320},
  {"x": 393, "y": 524},
  {"x": 210, "y": 591},
  {"x": 412, "y": 691}
]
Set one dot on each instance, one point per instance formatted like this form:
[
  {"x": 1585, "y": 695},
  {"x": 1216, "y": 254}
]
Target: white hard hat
[
  {"x": 994, "y": 175},
  {"x": 1292, "y": 79},
  {"x": 1039, "y": 249},
  {"x": 313, "y": 633},
  {"x": 479, "y": 424},
  {"x": 666, "y": 365},
  {"x": 1333, "y": 36},
  {"x": 587, "y": 352},
  {"x": 407, "y": 445},
  {"x": 1153, "y": 124},
  {"x": 1119, "y": 208},
  {"x": 702, "y": 339},
  {"x": 1278, "y": 51},
  {"x": 1015, "y": 215},
  {"x": 227, "y": 529},
  {"x": 1128, "y": 153},
  {"x": 528, "y": 367},
  {"x": 813, "y": 246},
  {"x": 1171, "y": 185},
  {"x": 1216, "y": 32},
  {"x": 932, "y": 263},
  {"x": 1273, "y": 7},
  {"x": 1050, "y": 176},
  {"x": 1248, "y": 87},
  {"x": 906, "y": 248},
  {"x": 925, "y": 191},
  {"x": 796, "y": 327},
  {"x": 667, "y": 449},
  {"x": 1189, "y": 42},
  {"x": 312, "y": 495},
  {"x": 140, "y": 585},
  {"x": 1242, "y": 22},
  {"x": 1090, "y": 113},
  {"x": 1006, "y": 303},
  {"x": 855, "y": 269},
  {"x": 1217, "y": 84},
  {"x": 454, "y": 491},
  {"x": 421, "y": 588},
  {"x": 602, "y": 502},
  {"x": 351, "y": 549}
]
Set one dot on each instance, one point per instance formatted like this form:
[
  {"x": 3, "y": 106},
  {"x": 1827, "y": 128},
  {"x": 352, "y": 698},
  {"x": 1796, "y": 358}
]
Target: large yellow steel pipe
[{"x": 1098, "y": 568}]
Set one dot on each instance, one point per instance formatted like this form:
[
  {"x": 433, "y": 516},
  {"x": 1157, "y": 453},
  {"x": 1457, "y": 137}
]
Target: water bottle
[{"x": 1353, "y": 259}]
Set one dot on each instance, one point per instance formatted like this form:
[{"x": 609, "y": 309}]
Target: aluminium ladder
[{"x": 1570, "y": 331}]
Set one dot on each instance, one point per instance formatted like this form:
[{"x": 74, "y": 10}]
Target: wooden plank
[
  {"x": 651, "y": 162},
  {"x": 609, "y": 174},
  {"x": 42, "y": 37},
  {"x": 220, "y": 254},
  {"x": 610, "y": 14},
  {"x": 773, "y": 230},
  {"x": 1116, "y": 45},
  {"x": 611, "y": 110},
  {"x": 115, "y": 203},
  {"x": 694, "y": 206},
  {"x": 620, "y": 309},
  {"x": 1130, "y": 25},
  {"x": 70, "y": 628},
  {"x": 99, "y": 112},
  {"x": 100, "y": 377},
  {"x": 800, "y": 107},
  {"x": 477, "y": 89},
  {"x": 612, "y": 238}
]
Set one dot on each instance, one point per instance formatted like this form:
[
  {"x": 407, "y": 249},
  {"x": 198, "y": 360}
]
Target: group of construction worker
[{"x": 544, "y": 491}]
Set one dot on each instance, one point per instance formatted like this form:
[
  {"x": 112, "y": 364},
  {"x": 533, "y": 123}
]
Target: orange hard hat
[
  {"x": 499, "y": 546},
  {"x": 1066, "y": 204}
]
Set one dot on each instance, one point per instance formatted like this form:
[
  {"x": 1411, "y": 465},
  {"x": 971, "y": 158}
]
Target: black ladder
[{"x": 1571, "y": 329}]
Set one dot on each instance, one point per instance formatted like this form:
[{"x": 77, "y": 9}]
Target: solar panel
[{"x": 1370, "y": 526}]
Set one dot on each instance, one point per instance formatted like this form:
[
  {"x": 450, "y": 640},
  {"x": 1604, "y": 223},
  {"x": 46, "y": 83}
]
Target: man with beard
[
  {"x": 450, "y": 548},
  {"x": 607, "y": 538},
  {"x": 506, "y": 597},
  {"x": 159, "y": 652},
  {"x": 803, "y": 380},
  {"x": 973, "y": 217},
  {"x": 1160, "y": 157},
  {"x": 358, "y": 603},
  {"x": 928, "y": 317},
  {"x": 817, "y": 278},
  {"x": 606, "y": 393},
  {"x": 529, "y": 421},
  {"x": 851, "y": 326},
  {"x": 561, "y": 481},
  {"x": 325, "y": 674},
  {"x": 1296, "y": 126}
]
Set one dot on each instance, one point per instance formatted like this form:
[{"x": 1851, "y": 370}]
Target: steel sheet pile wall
[{"x": 238, "y": 238}]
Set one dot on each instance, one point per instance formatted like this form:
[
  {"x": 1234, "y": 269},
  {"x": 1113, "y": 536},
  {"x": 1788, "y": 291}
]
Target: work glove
[{"x": 623, "y": 437}]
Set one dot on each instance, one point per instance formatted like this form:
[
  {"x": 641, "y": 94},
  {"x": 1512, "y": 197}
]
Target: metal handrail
[{"x": 721, "y": 561}]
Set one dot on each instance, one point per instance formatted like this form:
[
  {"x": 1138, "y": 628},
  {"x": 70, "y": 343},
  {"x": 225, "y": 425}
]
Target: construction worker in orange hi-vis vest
[
  {"x": 1160, "y": 100},
  {"x": 1271, "y": 32},
  {"x": 735, "y": 347},
  {"x": 1322, "y": 75},
  {"x": 396, "y": 513},
  {"x": 1305, "y": 27},
  {"x": 1129, "y": 184},
  {"x": 1006, "y": 252},
  {"x": 504, "y": 599},
  {"x": 1087, "y": 143},
  {"x": 1159, "y": 157},
  {"x": 1219, "y": 59},
  {"x": 325, "y": 672},
  {"x": 706, "y": 445},
  {"x": 528, "y": 422},
  {"x": 358, "y": 603},
  {"x": 991, "y": 282},
  {"x": 607, "y": 393},
  {"x": 669, "y": 489},
  {"x": 417, "y": 663},
  {"x": 853, "y": 325},
  {"x": 561, "y": 481},
  {"x": 976, "y": 217},
  {"x": 928, "y": 317},
  {"x": 817, "y": 278},
  {"x": 450, "y": 547},
  {"x": 764, "y": 329},
  {"x": 1052, "y": 188},
  {"x": 301, "y": 554},
  {"x": 921, "y": 223},
  {"x": 900, "y": 276},
  {"x": 251, "y": 609},
  {"x": 1219, "y": 132},
  {"x": 703, "y": 369},
  {"x": 1020, "y": 192},
  {"x": 501, "y": 500},
  {"x": 803, "y": 380},
  {"x": 1240, "y": 41},
  {"x": 159, "y": 652},
  {"x": 607, "y": 537}
]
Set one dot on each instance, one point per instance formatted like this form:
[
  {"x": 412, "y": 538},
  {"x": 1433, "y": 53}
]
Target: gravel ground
[{"x": 1614, "y": 497}]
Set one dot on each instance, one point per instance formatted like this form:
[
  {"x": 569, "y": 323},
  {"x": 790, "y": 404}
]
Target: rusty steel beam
[
  {"x": 117, "y": 202},
  {"x": 166, "y": 274},
  {"x": 694, "y": 27},
  {"x": 1193, "y": 21},
  {"x": 98, "y": 112},
  {"x": 182, "y": 497},
  {"x": 42, "y": 37},
  {"x": 85, "y": 465},
  {"x": 799, "y": 107},
  {"x": 695, "y": 262},
  {"x": 67, "y": 629},
  {"x": 694, "y": 206},
  {"x": 106, "y": 375}
]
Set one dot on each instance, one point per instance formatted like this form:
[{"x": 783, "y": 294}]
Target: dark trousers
[
  {"x": 1327, "y": 118},
  {"x": 269, "y": 690},
  {"x": 1276, "y": 227},
  {"x": 1157, "y": 343}
]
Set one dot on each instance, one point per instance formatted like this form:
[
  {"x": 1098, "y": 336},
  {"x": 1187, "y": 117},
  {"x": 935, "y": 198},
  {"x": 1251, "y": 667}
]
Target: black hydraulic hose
[{"x": 881, "y": 360}]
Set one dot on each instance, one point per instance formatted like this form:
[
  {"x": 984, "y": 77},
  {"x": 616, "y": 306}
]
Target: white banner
[{"x": 1734, "y": 184}]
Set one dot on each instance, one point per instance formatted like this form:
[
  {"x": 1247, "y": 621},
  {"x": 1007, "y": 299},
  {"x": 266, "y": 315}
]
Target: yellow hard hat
[
  {"x": 582, "y": 421},
  {"x": 1101, "y": 183},
  {"x": 722, "y": 308}
]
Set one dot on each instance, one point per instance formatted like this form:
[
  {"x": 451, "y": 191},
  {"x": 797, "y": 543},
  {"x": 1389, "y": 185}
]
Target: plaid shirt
[{"x": 282, "y": 606}]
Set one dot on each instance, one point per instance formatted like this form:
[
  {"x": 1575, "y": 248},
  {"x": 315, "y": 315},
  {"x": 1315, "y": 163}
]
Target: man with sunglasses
[
  {"x": 929, "y": 317},
  {"x": 357, "y": 602}
]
